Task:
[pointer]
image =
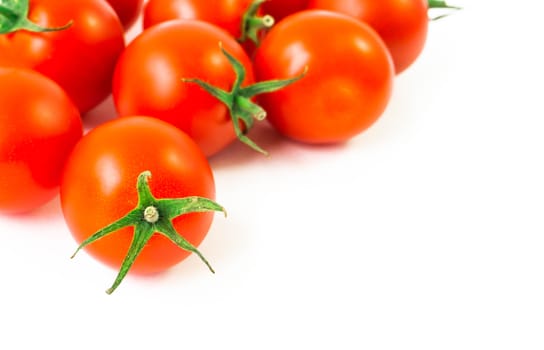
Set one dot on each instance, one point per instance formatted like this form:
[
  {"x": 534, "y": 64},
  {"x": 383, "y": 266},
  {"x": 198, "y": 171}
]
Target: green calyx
[
  {"x": 238, "y": 100},
  {"x": 253, "y": 24},
  {"x": 153, "y": 216},
  {"x": 441, "y": 4},
  {"x": 14, "y": 17}
]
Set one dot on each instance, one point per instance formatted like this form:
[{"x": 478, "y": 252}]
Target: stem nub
[
  {"x": 151, "y": 214},
  {"x": 157, "y": 219},
  {"x": 253, "y": 24}
]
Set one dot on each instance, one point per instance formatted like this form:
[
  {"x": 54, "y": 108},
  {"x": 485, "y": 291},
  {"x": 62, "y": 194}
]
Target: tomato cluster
[{"x": 137, "y": 192}]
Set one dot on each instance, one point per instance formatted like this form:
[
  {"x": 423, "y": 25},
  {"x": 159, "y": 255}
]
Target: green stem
[
  {"x": 253, "y": 24},
  {"x": 441, "y": 4},
  {"x": 142, "y": 234},
  {"x": 239, "y": 101},
  {"x": 8, "y": 13},
  {"x": 14, "y": 17},
  {"x": 152, "y": 216}
]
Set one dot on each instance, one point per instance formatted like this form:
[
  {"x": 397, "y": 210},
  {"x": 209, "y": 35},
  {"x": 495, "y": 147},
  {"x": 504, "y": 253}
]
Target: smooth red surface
[
  {"x": 226, "y": 14},
  {"x": 348, "y": 83},
  {"x": 39, "y": 127},
  {"x": 127, "y": 10},
  {"x": 282, "y": 8},
  {"x": 402, "y": 24}
]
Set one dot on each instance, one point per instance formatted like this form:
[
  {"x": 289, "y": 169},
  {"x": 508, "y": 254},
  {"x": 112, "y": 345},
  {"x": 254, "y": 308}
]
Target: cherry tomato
[
  {"x": 282, "y": 8},
  {"x": 80, "y": 58},
  {"x": 127, "y": 10},
  {"x": 348, "y": 83},
  {"x": 99, "y": 187},
  {"x": 402, "y": 24},
  {"x": 148, "y": 79},
  {"x": 223, "y": 13},
  {"x": 39, "y": 127},
  {"x": 243, "y": 19}
]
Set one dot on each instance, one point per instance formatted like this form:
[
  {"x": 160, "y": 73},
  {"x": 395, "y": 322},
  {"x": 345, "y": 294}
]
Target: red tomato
[
  {"x": 282, "y": 8},
  {"x": 226, "y": 14},
  {"x": 39, "y": 127},
  {"x": 148, "y": 79},
  {"x": 127, "y": 10},
  {"x": 81, "y": 58},
  {"x": 99, "y": 186},
  {"x": 348, "y": 83},
  {"x": 402, "y": 24}
]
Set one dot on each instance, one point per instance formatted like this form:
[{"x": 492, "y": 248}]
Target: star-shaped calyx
[
  {"x": 238, "y": 100},
  {"x": 153, "y": 216}
]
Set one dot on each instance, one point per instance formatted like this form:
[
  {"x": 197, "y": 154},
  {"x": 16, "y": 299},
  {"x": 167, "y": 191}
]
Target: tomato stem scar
[{"x": 151, "y": 214}]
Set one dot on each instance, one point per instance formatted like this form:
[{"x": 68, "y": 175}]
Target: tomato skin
[
  {"x": 127, "y": 10},
  {"x": 402, "y": 24},
  {"x": 341, "y": 94},
  {"x": 81, "y": 58},
  {"x": 39, "y": 127},
  {"x": 223, "y": 13},
  {"x": 99, "y": 187},
  {"x": 282, "y": 8},
  {"x": 148, "y": 79}
]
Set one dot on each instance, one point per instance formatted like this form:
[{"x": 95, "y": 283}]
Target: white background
[{"x": 424, "y": 232}]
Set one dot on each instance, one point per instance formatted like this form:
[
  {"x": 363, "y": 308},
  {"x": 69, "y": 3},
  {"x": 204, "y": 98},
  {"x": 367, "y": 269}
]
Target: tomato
[
  {"x": 80, "y": 58},
  {"x": 39, "y": 127},
  {"x": 127, "y": 10},
  {"x": 99, "y": 186},
  {"x": 223, "y": 13},
  {"x": 282, "y": 8},
  {"x": 402, "y": 24},
  {"x": 243, "y": 19},
  {"x": 148, "y": 79},
  {"x": 348, "y": 83}
]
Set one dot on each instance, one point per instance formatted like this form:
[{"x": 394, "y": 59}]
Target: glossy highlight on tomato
[
  {"x": 243, "y": 19},
  {"x": 148, "y": 79},
  {"x": 402, "y": 24},
  {"x": 80, "y": 58},
  {"x": 226, "y": 14},
  {"x": 348, "y": 83},
  {"x": 39, "y": 127},
  {"x": 98, "y": 188}
]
